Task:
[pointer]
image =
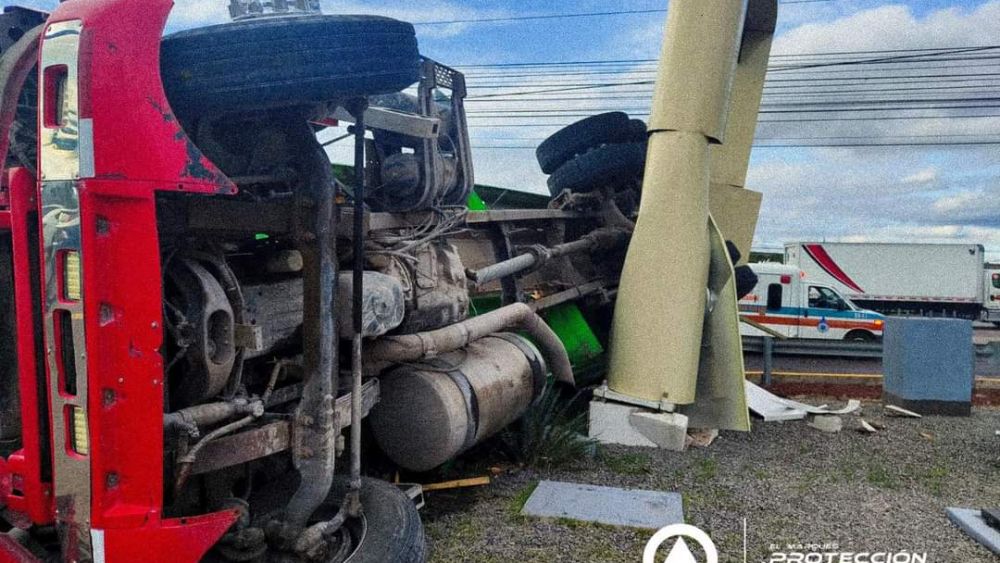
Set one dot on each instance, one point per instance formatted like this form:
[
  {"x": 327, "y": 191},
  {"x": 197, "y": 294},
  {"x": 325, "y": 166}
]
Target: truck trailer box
[{"x": 903, "y": 278}]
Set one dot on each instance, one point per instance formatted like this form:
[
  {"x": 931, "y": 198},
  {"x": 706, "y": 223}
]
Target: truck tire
[
  {"x": 638, "y": 132},
  {"x": 581, "y": 137},
  {"x": 746, "y": 281},
  {"x": 605, "y": 166},
  {"x": 23, "y": 149},
  {"x": 286, "y": 61},
  {"x": 23, "y": 131},
  {"x": 393, "y": 531}
]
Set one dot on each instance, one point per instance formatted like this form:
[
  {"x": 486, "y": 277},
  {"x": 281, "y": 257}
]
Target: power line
[
  {"x": 776, "y": 56},
  {"x": 819, "y": 145},
  {"x": 572, "y": 15}
]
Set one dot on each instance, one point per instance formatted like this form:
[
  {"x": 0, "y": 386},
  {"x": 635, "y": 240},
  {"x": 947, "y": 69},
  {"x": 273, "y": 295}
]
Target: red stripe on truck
[{"x": 823, "y": 259}]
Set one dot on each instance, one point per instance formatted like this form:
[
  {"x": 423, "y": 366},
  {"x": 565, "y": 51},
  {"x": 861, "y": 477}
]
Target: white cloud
[
  {"x": 895, "y": 26},
  {"x": 925, "y": 176},
  {"x": 417, "y": 12},
  {"x": 197, "y": 13}
]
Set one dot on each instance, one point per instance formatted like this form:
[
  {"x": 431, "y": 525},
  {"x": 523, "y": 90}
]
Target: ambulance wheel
[
  {"x": 581, "y": 137},
  {"x": 610, "y": 165},
  {"x": 860, "y": 336},
  {"x": 286, "y": 61}
]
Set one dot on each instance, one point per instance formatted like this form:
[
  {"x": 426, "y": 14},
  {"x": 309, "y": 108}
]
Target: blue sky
[{"x": 932, "y": 194}]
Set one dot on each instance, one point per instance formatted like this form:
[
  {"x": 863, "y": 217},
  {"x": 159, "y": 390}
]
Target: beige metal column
[
  {"x": 736, "y": 209},
  {"x": 660, "y": 313}
]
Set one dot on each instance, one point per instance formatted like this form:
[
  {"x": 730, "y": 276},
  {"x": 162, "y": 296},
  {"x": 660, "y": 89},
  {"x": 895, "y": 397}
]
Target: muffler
[{"x": 432, "y": 411}]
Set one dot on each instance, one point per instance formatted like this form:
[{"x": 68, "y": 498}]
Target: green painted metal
[
  {"x": 569, "y": 324},
  {"x": 476, "y": 203}
]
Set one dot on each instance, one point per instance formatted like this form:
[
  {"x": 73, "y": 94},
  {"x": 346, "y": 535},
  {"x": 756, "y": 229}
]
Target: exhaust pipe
[{"x": 519, "y": 317}]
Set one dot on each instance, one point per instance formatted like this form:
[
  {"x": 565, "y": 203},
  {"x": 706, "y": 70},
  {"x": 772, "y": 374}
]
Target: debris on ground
[
  {"x": 893, "y": 410},
  {"x": 773, "y": 408},
  {"x": 971, "y": 522},
  {"x": 457, "y": 484},
  {"x": 605, "y": 505},
  {"x": 702, "y": 437},
  {"x": 866, "y": 427},
  {"x": 826, "y": 423}
]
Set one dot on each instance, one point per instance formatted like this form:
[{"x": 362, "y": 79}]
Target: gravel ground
[{"x": 793, "y": 484}]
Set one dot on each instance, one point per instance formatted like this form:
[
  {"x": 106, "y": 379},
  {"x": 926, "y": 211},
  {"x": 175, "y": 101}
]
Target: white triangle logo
[{"x": 680, "y": 553}]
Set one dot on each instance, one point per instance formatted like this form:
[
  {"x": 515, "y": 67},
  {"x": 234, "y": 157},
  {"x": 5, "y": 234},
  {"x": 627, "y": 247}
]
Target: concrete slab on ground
[
  {"x": 650, "y": 510},
  {"x": 971, "y": 522}
]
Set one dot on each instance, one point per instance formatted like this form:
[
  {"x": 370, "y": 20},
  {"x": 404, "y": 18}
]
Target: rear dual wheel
[
  {"x": 605, "y": 150},
  {"x": 285, "y": 62}
]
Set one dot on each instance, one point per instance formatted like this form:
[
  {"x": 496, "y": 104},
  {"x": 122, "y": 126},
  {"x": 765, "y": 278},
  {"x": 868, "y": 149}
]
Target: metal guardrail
[{"x": 824, "y": 348}]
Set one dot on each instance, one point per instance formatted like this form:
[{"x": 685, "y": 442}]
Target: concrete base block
[{"x": 625, "y": 425}]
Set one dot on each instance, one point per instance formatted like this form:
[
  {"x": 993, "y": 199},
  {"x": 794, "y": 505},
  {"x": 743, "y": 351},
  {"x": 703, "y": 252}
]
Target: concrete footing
[{"x": 626, "y": 425}]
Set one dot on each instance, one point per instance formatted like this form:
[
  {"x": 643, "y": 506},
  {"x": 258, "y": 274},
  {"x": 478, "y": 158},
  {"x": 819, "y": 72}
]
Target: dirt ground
[{"x": 793, "y": 485}]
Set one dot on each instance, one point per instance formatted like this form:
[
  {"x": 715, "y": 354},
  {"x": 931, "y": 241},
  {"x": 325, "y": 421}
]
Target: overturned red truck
[{"x": 198, "y": 315}]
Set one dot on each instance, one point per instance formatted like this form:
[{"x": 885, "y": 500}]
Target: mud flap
[{"x": 721, "y": 400}]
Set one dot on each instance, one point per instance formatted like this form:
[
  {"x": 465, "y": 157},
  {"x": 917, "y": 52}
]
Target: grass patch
[
  {"x": 552, "y": 433},
  {"x": 934, "y": 479},
  {"x": 706, "y": 469},
  {"x": 628, "y": 464},
  {"x": 517, "y": 502},
  {"x": 879, "y": 476}
]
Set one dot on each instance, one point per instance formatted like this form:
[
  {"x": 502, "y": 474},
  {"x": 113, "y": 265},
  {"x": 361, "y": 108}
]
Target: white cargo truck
[{"x": 949, "y": 280}]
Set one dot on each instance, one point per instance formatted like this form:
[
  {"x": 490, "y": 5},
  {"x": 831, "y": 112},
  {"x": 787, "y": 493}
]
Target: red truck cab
[{"x": 80, "y": 242}]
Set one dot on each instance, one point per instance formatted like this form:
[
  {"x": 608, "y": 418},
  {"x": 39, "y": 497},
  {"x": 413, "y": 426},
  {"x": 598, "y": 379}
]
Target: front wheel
[
  {"x": 860, "y": 336},
  {"x": 390, "y": 529}
]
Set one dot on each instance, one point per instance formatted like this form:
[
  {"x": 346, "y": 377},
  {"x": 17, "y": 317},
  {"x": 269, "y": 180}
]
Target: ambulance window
[
  {"x": 774, "y": 297},
  {"x": 996, "y": 281},
  {"x": 826, "y": 298}
]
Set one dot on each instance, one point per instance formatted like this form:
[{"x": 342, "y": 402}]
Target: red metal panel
[
  {"x": 123, "y": 312},
  {"x": 35, "y": 498},
  {"x": 184, "y": 539},
  {"x": 139, "y": 149},
  {"x": 13, "y": 552},
  {"x": 137, "y": 136}
]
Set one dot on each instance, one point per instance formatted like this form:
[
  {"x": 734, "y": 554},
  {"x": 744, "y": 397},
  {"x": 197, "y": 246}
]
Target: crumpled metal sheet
[{"x": 772, "y": 408}]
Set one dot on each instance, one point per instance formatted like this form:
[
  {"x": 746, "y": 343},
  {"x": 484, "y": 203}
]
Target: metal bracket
[
  {"x": 608, "y": 395},
  {"x": 415, "y": 491},
  {"x": 387, "y": 119}
]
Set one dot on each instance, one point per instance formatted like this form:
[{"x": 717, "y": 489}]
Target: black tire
[
  {"x": 610, "y": 165},
  {"x": 638, "y": 132},
  {"x": 860, "y": 336},
  {"x": 581, "y": 137},
  {"x": 23, "y": 131},
  {"x": 286, "y": 61},
  {"x": 746, "y": 281},
  {"x": 393, "y": 529}
]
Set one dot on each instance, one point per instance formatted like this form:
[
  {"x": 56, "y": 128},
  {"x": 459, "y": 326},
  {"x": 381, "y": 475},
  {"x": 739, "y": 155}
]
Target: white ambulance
[{"x": 787, "y": 302}]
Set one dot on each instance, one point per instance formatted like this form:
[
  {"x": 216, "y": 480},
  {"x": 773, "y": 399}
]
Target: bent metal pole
[{"x": 659, "y": 316}]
